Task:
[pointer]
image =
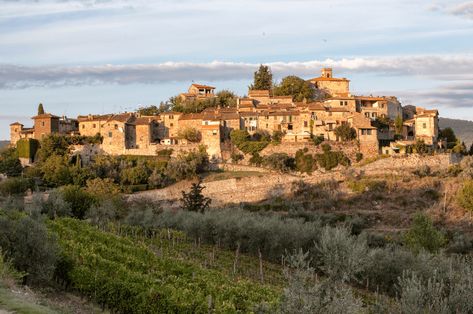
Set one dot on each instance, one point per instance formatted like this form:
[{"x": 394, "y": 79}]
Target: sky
[{"x": 101, "y": 56}]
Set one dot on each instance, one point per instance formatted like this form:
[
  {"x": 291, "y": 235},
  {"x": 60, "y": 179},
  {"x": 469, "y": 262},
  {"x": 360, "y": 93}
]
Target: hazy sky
[{"x": 100, "y": 56}]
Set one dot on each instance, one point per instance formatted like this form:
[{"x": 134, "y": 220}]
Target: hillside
[
  {"x": 463, "y": 128},
  {"x": 4, "y": 143}
]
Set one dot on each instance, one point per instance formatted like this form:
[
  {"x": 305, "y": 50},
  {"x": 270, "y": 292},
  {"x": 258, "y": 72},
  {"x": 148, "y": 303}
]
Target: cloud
[
  {"x": 464, "y": 9},
  {"x": 459, "y": 67}
]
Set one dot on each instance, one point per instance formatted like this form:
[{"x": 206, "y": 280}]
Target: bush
[
  {"x": 277, "y": 137},
  {"x": 280, "y": 162},
  {"x": 30, "y": 247},
  {"x": 9, "y": 163},
  {"x": 102, "y": 189},
  {"x": 465, "y": 195},
  {"x": 27, "y": 148},
  {"x": 187, "y": 166},
  {"x": 345, "y": 132},
  {"x": 420, "y": 147},
  {"x": 423, "y": 171},
  {"x": 78, "y": 199},
  {"x": 318, "y": 139},
  {"x": 56, "y": 171},
  {"x": 341, "y": 256},
  {"x": 330, "y": 159},
  {"x": 305, "y": 162},
  {"x": 194, "y": 200},
  {"x": 256, "y": 160},
  {"x": 236, "y": 157},
  {"x": 423, "y": 236},
  {"x": 366, "y": 185},
  {"x": 12, "y": 186},
  {"x": 244, "y": 142},
  {"x": 53, "y": 206},
  {"x": 134, "y": 175},
  {"x": 190, "y": 134},
  {"x": 358, "y": 157}
]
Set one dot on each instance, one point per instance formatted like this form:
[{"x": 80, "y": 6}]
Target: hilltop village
[{"x": 380, "y": 125}]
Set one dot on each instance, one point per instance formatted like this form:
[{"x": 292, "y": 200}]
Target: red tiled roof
[{"x": 203, "y": 86}]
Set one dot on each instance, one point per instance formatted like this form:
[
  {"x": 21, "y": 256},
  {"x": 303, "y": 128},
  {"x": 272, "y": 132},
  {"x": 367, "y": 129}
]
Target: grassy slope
[{"x": 17, "y": 303}]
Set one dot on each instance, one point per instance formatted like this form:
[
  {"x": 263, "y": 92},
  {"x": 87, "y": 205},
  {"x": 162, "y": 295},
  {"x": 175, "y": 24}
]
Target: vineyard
[{"x": 128, "y": 277}]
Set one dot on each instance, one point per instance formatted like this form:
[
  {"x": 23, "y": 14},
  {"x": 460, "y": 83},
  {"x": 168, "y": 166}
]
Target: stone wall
[
  {"x": 349, "y": 148},
  {"x": 400, "y": 163}
]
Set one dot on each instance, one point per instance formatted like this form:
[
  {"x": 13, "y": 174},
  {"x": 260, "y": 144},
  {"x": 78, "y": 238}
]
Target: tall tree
[
  {"x": 40, "y": 109},
  {"x": 226, "y": 98},
  {"x": 195, "y": 201},
  {"x": 296, "y": 87},
  {"x": 398, "y": 124},
  {"x": 263, "y": 78}
]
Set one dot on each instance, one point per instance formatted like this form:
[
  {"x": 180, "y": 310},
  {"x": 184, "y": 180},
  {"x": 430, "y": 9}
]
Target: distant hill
[
  {"x": 4, "y": 143},
  {"x": 463, "y": 128}
]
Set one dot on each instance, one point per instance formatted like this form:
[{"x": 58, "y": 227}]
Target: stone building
[
  {"x": 333, "y": 87},
  {"x": 198, "y": 91},
  {"x": 44, "y": 124},
  {"x": 427, "y": 125}
]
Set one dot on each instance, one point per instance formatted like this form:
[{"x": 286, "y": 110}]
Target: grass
[
  {"x": 218, "y": 176},
  {"x": 11, "y": 302}
]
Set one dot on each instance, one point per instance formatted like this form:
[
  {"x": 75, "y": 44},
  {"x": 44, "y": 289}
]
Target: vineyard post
[
  {"x": 260, "y": 265},
  {"x": 237, "y": 254}
]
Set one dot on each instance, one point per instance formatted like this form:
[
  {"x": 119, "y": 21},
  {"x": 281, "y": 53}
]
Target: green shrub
[
  {"x": 423, "y": 235},
  {"x": 194, "y": 200},
  {"x": 187, "y": 166},
  {"x": 9, "y": 163},
  {"x": 305, "y": 163},
  {"x": 367, "y": 185},
  {"x": 345, "y": 132},
  {"x": 256, "y": 160},
  {"x": 423, "y": 171},
  {"x": 358, "y": 157},
  {"x": 78, "y": 199},
  {"x": 244, "y": 142},
  {"x": 12, "y": 186},
  {"x": 318, "y": 139},
  {"x": 330, "y": 159},
  {"x": 190, "y": 134},
  {"x": 277, "y": 137},
  {"x": 56, "y": 170},
  {"x": 134, "y": 175},
  {"x": 236, "y": 157},
  {"x": 465, "y": 195},
  {"x": 280, "y": 162}
]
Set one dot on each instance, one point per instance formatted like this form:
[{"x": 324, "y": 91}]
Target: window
[
  {"x": 424, "y": 125},
  {"x": 171, "y": 116},
  {"x": 289, "y": 126},
  {"x": 214, "y": 132},
  {"x": 266, "y": 125},
  {"x": 94, "y": 125},
  {"x": 267, "y": 117},
  {"x": 171, "y": 125},
  {"x": 341, "y": 103},
  {"x": 305, "y": 124},
  {"x": 42, "y": 123},
  {"x": 110, "y": 134},
  {"x": 275, "y": 118},
  {"x": 290, "y": 118},
  {"x": 83, "y": 126},
  {"x": 346, "y": 103}
]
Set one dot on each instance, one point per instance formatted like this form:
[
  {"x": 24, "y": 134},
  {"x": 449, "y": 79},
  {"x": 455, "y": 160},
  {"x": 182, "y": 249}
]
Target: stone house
[
  {"x": 198, "y": 91},
  {"x": 426, "y": 126},
  {"x": 333, "y": 87},
  {"x": 44, "y": 124}
]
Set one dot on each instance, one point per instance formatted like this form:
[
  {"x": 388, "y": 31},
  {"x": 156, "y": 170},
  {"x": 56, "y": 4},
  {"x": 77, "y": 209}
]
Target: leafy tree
[
  {"x": 154, "y": 110},
  {"x": 226, "y": 99},
  {"x": 78, "y": 199},
  {"x": 318, "y": 139},
  {"x": 190, "y": 134},
  {"x": 459, "y": 148},
  {"x": 56, "y": 171},
  {"x": 330, "y": 159},
  {"x": 263, "y": 79},
  {"x": 187, "y": 166},
  {"x": 423, "y": 235},
  {"x": 420, "y": 147},
  {"x": 40, "y": 109},
  {"x": 296, "y": 87},
  {"x": 194, "y": 200},
  {"x": 345, "y": 132},
  {"x": 102, "y": 189},
  {"x": 15, "y": 185},
  {"x": 277, "y": 137},
  {"x": 247, "y": 144},
  {"x": 9, "y": 163},
  {"x": 398, "y": 124},
  {"x": 53, "y": 144},
  {"x": 31, "y": 248},
  {"x": 134, "y": 175},
  {"x": 449, "y": 135}
]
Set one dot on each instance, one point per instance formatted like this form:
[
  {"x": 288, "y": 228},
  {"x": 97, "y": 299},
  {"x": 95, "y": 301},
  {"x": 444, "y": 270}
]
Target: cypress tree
[{"x": 40, "y": 109}]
